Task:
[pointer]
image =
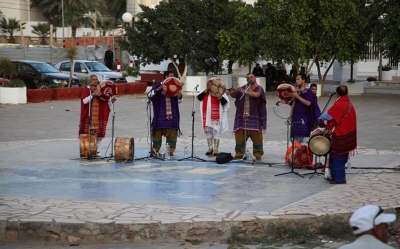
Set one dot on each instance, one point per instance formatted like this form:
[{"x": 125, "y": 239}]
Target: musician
[
  {"x": 251, "y": 114},
  {"x": 166, "y": 116},
  {"x": 99, "y": 111},
  {"x": 341, "y": 120},
  {"x": 214, "y": 118},
  {"x": 304, "y": 111}
]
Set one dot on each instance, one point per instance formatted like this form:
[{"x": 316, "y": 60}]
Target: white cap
[{"x": 365, "y": 218}]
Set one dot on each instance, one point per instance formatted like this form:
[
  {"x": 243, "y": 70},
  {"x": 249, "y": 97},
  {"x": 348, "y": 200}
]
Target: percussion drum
[
  {"x": 124, "y": 149},
  {"x": 172, "y": 86},
  {"x": 216, "y": 87},
  {"x": 84, "y": 145},
  {"x": 301, "y": 154},
  {"x": 319, "y": 143},
  {"x": 283, "y": 91},
  {"x": 107, "y": 89}
]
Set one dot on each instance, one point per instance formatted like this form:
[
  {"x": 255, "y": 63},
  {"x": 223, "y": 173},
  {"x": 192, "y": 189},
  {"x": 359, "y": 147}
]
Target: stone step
[{"x": 386, "y": 83}]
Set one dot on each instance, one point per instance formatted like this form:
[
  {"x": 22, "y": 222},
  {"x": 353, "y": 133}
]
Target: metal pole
[
  {"x": 62, "y": 17},
  {"x": 380, "y": 67}
]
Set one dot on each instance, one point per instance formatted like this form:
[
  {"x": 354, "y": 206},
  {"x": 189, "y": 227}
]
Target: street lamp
[{"x": 127, "y": 18}]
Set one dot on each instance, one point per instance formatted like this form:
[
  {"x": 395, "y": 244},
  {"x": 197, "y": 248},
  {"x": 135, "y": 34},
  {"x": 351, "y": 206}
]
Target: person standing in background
[
  {"x": 109, "y": 58},
  {"x": 258, "y": 71}
]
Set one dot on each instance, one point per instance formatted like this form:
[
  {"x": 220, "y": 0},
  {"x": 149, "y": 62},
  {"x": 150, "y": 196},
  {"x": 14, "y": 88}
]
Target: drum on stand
[
  {"x": 301, "y": 154},
  {"x": 320, "y": 142},
  {"x": 84, "y": 145},
  {"x": 124, "y": 149}
]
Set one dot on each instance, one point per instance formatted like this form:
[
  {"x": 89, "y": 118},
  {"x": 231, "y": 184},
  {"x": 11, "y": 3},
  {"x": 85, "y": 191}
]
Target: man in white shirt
[{"x": 370, "y": 225}]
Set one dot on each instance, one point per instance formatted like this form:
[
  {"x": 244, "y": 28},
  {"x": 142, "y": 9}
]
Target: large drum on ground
[
  {"x": 283, "y": 91},
  {"x": 85, "y": 142},
  {"x": 302, "y": 155},
  {"x": 320, "y": 142},
  {"x": 107, "y": 89},
  {"x": 216, "y": 87},
  {"x": 124, "y": 149},
  {"x": 172, "y": 86}
]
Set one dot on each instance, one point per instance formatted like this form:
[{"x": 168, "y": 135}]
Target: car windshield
[
  {"x": 95, "y": 66},
  {"x": 44, "y": 68}
]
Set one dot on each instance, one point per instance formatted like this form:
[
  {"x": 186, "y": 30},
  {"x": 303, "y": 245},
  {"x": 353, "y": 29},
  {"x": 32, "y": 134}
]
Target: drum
[
  {"x": 302, "y": 155},
  {"x": 319, "y": 143},
  {"x": 107, "y": 89},
  {"x": 216, "y": 87},
  {"x": 84, "y": 145},
  {"x": 283, "y": 91},
  {"x": 172, "y": 86},
  {"x": 124, "y": 149}
]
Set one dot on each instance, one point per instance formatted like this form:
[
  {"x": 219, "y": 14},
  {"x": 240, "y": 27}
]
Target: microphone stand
[
  {"x": 151, "y": 152},
  {"x": 112, "y": 131},
  {"x": 292, "y": 155},
  {"x": 192, "y": 157},
  {"x": 90, "y": 123}
]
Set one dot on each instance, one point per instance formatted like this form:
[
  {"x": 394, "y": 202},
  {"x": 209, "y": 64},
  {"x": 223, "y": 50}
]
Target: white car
[{"x": 84, "y": 68}]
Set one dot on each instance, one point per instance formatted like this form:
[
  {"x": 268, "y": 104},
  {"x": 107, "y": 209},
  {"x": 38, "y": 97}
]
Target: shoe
[
  {"x": 258, "y": 158},
  {"x": 209, "y": 152},
  {"x": 99, "y": 154},
  {"x": 171, "y": 153},
  {"x": 216, "y": 153},
  {"x": 238, "y": 157},
  {"x": 333, "y": 182}
]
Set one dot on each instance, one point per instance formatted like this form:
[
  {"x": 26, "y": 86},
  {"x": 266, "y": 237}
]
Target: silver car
[{"x": 84, "y": 68}]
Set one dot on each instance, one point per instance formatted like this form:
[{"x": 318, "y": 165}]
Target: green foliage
[
  {"x": 14, "y": 83},
  {"x": 10, "y": 25},
  {"x": 386, "y": 68},
  {"x": 7, "y": 69},
  {"x": 84, "y": 82},
  {"x": 105, "y": 24},
  {"x": 71, "y": 54},
  {"x": 130, "y": 71},
  {"x": 372, "y": 79},
  {"x": 42, "y": 30}
]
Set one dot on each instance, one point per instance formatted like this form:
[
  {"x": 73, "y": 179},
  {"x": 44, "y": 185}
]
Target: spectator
[
  {"x": 109, "y": 58},
  {"x": 258, "y": 71},
  {"x": 293, "y": 74},
  {"x": 270, "y": 74},
  {"x": 370, "y": 225}
]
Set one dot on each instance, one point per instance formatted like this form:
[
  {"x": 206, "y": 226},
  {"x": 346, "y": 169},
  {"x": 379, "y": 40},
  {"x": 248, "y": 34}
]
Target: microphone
[
  {"x": 196, "y": 87},
  {"x": 302, "y": 122},
  {"x": 331, "y": 94},
  {"x": 277, "y": 103}
]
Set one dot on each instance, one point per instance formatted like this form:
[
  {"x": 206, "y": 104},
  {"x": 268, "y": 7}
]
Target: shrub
[
  {"x": 372, "y": 79},
  {"x": 14, "y": 83}
]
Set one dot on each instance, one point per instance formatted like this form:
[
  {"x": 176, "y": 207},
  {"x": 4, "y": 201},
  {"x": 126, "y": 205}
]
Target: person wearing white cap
[{"x": 370, "y": 225}]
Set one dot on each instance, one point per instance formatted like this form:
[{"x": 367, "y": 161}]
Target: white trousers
[{"x": 212, "y": 133}]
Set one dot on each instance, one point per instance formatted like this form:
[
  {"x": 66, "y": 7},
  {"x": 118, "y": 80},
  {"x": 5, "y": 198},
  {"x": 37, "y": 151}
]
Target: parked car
[
  {"x": 84, "y": 68},
  {"x": 32, "y": 72}
]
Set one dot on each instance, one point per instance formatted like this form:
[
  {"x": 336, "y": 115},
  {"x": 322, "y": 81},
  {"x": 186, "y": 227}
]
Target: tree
[
  {"x": 75, "y": 11},
  {"x": 42, "y": 30},
  {"x": 10, "y": 26},
  {"x": 386, "y": 14},
  {"x": 71, "y": 55},
  {"x": 7, "y": 69},
  {"x": 240, "y": 42},
  {"x": 105, "y": 24}
]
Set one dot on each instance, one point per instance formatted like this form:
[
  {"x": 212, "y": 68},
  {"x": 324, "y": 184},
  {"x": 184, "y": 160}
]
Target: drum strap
[{"x": 341, "y": 120}]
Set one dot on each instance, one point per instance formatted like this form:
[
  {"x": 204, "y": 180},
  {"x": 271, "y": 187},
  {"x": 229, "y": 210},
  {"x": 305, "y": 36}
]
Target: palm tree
[
  {"x": 42, "y": 30},
  {"x": 71, "y": 55},
  {"x": 105, "y": 24},
  {"x": 76, "y": 18},
  {"x": 10, "y": 26},
  {"x": 117, "y": 8}
]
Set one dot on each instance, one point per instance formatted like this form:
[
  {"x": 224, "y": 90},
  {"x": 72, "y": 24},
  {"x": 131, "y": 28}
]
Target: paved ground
[{"x": 43, "y": 179}]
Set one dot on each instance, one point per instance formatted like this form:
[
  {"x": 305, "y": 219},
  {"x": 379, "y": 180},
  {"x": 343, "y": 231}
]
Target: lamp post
[
  {"x": 62, "y": 17},
  {"x": 127, "y": 18}
]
